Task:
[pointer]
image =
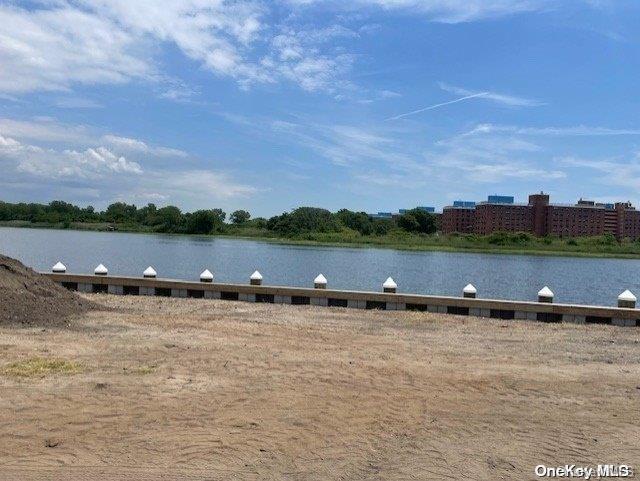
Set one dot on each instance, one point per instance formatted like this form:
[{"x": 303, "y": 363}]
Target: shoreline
[{"x": 358, "y": 244}]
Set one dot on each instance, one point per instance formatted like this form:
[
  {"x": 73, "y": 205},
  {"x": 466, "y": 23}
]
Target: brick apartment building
[{"x": 539, "y": 217}]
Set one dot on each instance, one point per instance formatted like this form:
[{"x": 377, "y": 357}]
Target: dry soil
[
  {"x": 28, "y": 298},
  {"x": 191, "y": 389}
]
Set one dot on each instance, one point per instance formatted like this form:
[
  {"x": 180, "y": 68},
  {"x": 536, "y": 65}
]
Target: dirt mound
[{"x": 31, "y": 299}]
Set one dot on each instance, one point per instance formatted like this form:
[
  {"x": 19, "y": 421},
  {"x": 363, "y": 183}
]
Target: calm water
[{"x": 587, "y": 281}]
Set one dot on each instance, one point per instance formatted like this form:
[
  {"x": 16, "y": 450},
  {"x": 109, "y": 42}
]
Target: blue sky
[{"x": 377, "y": 105}]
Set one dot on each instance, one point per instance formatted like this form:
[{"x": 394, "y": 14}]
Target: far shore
[{"x": 433, "y": 243}]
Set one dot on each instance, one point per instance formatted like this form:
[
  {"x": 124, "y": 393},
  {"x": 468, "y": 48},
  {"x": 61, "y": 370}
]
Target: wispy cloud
[
  {"x": 54, "y": 46},
  {"x": 445, "y": 11},
  {"x": 77, "y": 103},
  {"x": 610, "y": 171},
  {"x": 388, "y": 156},
  {"x": 490, "y": 159},
  {"x": 578, "y": 131},
  {"x": 495, "y": 171},
  {"x": 48, "y": 49},
  {"x": 389, "y": 94},
  {"x": 136, "y": 145},
  {"x": 44, "y": 130},
  {"x": 107, "y": 167},
  {"x": 49, "y": 130},
  {"x": 502, "y": 99},
  {"x": 436, "y": 106},
  {"x": 199, "y": 186},
  {"x": 346, "y": 145}
]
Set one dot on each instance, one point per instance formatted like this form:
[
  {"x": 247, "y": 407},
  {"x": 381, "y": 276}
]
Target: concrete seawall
[{"x": 493, "y": 308}]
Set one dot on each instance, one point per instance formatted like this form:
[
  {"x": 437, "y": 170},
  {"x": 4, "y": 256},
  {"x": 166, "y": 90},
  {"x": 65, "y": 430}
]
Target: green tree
[
  {"x": 418, "y": 220},
  {"x": 147, "y": 215},
  {"x": 88, "y": 214},
  {"x": 202, "y": 222},
  {"x": 240, "y": 217},
  {"x": 5, "y": 211},
  {"x": 303, "y": 220},
  {"x": 382, "y": 226},
  {"x": 169, "y": 219},
  {"x": 358, "y": 221},
  {"x": 220, "y": 214},
  {"x": 408, "y": 222},
  {"x": 120, "y": 212},
  {"x": 258, "y": 223}
]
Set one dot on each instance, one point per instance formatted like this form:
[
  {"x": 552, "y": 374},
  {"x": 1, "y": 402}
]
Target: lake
[{"x": 518, "y": 277}]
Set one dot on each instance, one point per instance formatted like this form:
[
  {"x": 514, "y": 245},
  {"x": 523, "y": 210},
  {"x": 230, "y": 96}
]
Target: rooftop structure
[
  {"x": 539, "y": 217},
  {"x": 382, "y": 215},
  {"x": 390, "y": 215},
  {"x": 427, "y": 209},
  {"x": 500, "y": 199}
]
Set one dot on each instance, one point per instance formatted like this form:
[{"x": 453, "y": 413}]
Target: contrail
[{"x": 438, "y": 105}]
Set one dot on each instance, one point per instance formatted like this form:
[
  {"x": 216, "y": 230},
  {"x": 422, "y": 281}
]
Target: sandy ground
[{"x": 188, "y": 389}]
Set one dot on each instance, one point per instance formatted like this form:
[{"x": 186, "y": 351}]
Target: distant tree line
[{"x": 171, "y": 219}]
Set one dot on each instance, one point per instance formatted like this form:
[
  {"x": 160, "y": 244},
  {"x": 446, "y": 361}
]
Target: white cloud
[
  {"x": 473, "y": 169},
  {"x": 64, "y": 42},
  {"x": 9, "y": 98},
  {"x": 446, "y": 11},
  {"x": 199, "y": 186},
  {"x": 344, "y": 145},
  {"x": 314, "y": 72},
  {"x": 48, "y": 49},
  {"x": 210, "y": 32},
  {"x": 578, "y": 131},
  {"x": 296, "y": 55},
  {"x": 396, "y": 155},
  {"x": 105, "y": 42},
  {"x": 45, "y": 130},
  {"x": 77, "y": 103},
  {"x": 8, "y": 142},
  {"x": 504, "y": 99},
  {"x": 92, "y": 163},
  {"x": 490, "y": 159},
  {"x": 502, "y": 144},
  {"x": 101, "y": 160},
  {"x": 437, "y": 106},
  {"x": 383, "y": 179},
  {"x": 106, "y": 171},
  {"x": 49, "y": 130},
  {"x": 135, "y": 145},
  {"x": 610, "y": 171},
  {"x": 177, "y": 91},
  {"x": 56, "y": 44},
  {"x": 388, "y": 155},
  {"x": 389, "y": 94}
]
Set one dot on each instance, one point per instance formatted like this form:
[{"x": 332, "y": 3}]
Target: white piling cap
[
  {"x": 100, "y": 270},
  {"x": 59, "y": 267},
  {"x": 389, "y": 283},
  {"x": 206, "y": 275},
  {"x": 627, "y": 296},
  {"x": 545, "y": 292},
  {"x": 149, "y": 272},
  {"x": 469, "y": 289},
  {"x": 256, "y": 276},
  {"x": 320, "y": 279}
]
